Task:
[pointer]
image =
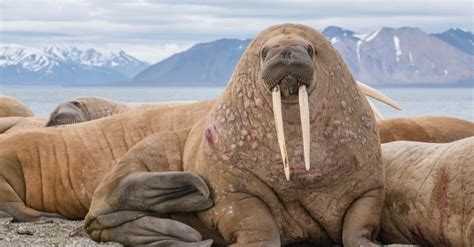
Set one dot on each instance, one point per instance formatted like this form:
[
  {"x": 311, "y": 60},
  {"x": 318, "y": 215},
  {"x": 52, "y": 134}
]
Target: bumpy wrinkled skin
[
  {"x": 87, "y": 108},
  {"x": 235, "y": 150},
  {"x": 12, "y": 124},
  {"x": 11, "y": 107},
  {"x": 429, "y": 193},
  {"x": 437, "y": 129},
  {"x": 53, "y": 172}
]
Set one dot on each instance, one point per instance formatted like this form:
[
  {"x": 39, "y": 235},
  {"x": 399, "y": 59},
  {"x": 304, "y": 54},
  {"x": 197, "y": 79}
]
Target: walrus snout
[{"x": 289, "y": 67}]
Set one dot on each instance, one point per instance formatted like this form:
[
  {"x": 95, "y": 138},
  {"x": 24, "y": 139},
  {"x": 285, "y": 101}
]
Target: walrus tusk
[
  {"x": 376, "y": 111},
  {"x": 374, "y": 93},
  {"x": 276, "y": 98},
  {"x": 304, "y": 112}
]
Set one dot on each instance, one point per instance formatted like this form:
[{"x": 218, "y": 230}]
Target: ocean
[{"x": 42, "y": 100}]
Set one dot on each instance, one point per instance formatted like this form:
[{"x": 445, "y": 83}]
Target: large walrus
[
  {"x": 319, "y": 179},
  {"x": 438, "y": 129},
  {"x": 429, "y": 193},
  {"x": 87, "y": 108},
  {"x": 11, "y": 107}
]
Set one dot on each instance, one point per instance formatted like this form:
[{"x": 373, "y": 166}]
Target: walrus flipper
[
  {"x": 361, "y": 220},
  {"x": 141, "y": 228},
  {"x": 131, "y": 204}
]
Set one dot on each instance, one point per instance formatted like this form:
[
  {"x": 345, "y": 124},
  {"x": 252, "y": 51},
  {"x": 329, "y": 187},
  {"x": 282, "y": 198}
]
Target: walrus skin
[
  {"x": 11, "y": 107},
  {"x": 233, "y": 147},
  {"x": 87, "y": 108},
  {"x": 429, "y": 193},
  {"x": 12, "y": 124},
  {"x": 438, "y": 129}
]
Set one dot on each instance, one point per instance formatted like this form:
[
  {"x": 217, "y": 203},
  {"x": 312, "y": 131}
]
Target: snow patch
[
  {"x": 358, "y": 50},
  {"x": 445, "y": 72},
  {"x": 372, "y": 35},
  {"x": 334, "y": 40},
  {"x": 411, "y": 58},
  {"x": 398, "y": 51}
]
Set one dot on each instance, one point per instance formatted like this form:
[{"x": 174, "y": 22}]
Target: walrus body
[
  {"x": 438, "y": 129},
  {"x": 11, "y": 107},
  {"x": 12, "y": 124},
  {"x": 429, "y": 193},
  {"x": 57, "y": 169},
  {"x": 87, "y": 108},
  {"x": 233, "y": 147}
]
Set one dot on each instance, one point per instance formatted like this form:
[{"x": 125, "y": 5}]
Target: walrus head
[
  {"x": 69, "y": 112},
  {"x": 287, "y": 69},
  {"x": 292, "y": 80}
]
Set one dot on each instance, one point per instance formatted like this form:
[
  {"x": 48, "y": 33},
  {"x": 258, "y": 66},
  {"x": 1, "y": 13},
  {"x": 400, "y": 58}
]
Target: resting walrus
[
  {"x": 11, "y": 107},
  {"x": 262, "y": 191},
  {"x": 429, "y": 193},
  {"x": 437, "y": 129},
  {"x": 87, "y": 108}
]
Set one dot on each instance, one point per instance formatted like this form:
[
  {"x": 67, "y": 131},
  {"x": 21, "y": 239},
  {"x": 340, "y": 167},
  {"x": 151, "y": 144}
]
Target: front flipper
[
  {"x": 130, "y": 203},
  {"x": 162, "y": 192},
  {"x": 244, "y": 220},
  {"x": 361, "y": 222},
  {"x": 138, "y": 228}
]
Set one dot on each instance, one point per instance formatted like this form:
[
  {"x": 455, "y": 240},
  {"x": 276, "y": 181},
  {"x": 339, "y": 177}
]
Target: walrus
[
  {"x": 438, "y": 129},
  {"x": 87, "y": 108},
  {"x": 11, "y": 107},
  {"x": 291, "y": 105},
  {"x": 12, "y": 124},
  {"x": 429, "y": 193}
]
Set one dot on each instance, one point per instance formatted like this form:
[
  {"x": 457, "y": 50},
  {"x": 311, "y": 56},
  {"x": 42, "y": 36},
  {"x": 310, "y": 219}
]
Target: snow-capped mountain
[
  {"x": 401, "y": 55},
  {"x": 54, "y": 65},
  {"x": 385, "y": 56}
]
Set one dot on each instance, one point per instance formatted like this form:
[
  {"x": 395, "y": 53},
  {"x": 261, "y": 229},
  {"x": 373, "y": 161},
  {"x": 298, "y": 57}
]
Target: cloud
[{"x": 163, "y": 27}]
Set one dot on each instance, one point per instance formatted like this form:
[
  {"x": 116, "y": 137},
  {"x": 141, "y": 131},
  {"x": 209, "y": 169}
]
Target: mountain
[
  {"x": 69, "y": 66},
  {"x": 403, "y": 55},
  {"x": 205, "y": 64},
  {"x": 386, "y": 56},
  {"x": 463, "y": 40}
]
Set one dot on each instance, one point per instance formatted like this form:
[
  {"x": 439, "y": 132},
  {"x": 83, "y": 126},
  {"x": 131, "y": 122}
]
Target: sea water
[{"x": 457, "y": 102}]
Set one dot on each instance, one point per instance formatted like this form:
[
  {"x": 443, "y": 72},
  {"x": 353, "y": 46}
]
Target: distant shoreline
[{"x": 385, "y": 85}]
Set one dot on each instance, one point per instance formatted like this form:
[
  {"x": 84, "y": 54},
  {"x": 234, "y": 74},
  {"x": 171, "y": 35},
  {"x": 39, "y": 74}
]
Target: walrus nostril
[{"x": 286, "y": 55}]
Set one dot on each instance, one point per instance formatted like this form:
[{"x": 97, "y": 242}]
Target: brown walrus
[
  {"x": 429, "y": 193},
  {"x": 262, "y": 191},
  {"x": 87, "y": 108},
  {"x": 11, "y": 107},
  {"x": 437, "y": 129}
]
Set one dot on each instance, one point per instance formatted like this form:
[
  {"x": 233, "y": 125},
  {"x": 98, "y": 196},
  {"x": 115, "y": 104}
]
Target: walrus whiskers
[
  {"x": 304, "y": 112},
  {"x": 276, "y": 99}
]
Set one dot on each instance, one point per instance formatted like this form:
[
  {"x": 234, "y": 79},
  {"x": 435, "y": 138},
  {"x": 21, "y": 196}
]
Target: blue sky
[{"x": 152, "y": 30}]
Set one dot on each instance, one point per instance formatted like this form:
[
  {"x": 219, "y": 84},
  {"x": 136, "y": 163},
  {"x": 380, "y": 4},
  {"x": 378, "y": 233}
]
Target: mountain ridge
[
  {"x": 387, "y": 56},
  {"x": 68, "y": 65}
]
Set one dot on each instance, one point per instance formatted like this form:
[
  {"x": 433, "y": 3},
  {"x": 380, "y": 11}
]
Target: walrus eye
[
  {"x": 310, "y": 50},
  {"x": 264, "y": 53},
  {"x": 76, "y": 103}
]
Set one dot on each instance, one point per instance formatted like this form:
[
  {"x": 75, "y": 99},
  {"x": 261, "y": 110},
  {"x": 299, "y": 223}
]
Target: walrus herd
[{"x": 289, "y": 155}]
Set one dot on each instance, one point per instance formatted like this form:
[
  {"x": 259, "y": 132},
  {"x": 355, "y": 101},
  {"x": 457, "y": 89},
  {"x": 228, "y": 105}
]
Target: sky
[{"x": 152, "y": 30}]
